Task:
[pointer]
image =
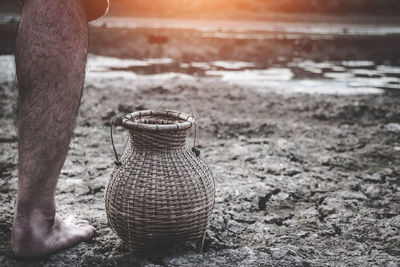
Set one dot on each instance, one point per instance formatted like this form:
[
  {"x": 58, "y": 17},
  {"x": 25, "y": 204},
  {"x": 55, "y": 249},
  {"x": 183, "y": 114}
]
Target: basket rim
[{"x": 128, "y": 123}]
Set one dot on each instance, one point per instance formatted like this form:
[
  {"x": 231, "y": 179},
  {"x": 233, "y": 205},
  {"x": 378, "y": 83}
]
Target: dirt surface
[{"x": 302, "y": 180}]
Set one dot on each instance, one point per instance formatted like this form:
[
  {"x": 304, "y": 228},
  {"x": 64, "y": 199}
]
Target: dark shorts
[{"x": 95, "y": 8}]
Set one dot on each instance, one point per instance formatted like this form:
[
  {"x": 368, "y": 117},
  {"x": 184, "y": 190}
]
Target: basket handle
[
  {"x": 116, "y": 120},
  {"x": 195, "y": 150}
]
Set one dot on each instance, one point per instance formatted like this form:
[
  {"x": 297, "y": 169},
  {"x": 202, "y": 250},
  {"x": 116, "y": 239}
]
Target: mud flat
[{"x": 302, "y": 179}]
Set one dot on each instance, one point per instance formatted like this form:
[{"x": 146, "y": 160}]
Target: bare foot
[{"x": 38, "y": 234}]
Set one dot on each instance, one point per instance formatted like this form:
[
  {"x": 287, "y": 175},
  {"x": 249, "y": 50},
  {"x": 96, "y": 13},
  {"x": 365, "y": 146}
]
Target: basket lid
[{"x": 168, "y": 120}]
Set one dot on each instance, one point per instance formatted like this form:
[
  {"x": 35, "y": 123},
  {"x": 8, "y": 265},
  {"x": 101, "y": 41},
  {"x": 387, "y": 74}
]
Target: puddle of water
[
  {"x": 384, "y": 82},
  {"x": 280, "y": 81},
  {"x": 311, "y": 66},
  {"x": 253, "y": 76},
  {"x": 358, "y": 63},
  {"x": 233, "y": 64},
  {"x": 200, "y": 65},
  {"x": 101, "y": 63},
  {"x": 340, "y": 76},
  {"x": 388, "y": 69},
  {"x": 355, "y": 77},
  {"x": 366, "y": 73},
  {"x": 7, "y": 68},
  {"x": 7, "y": 18},
  {"x": 355, "y": 74},
  {"x": 327, "y": 87},
  {"x": 114, "y": 79}
]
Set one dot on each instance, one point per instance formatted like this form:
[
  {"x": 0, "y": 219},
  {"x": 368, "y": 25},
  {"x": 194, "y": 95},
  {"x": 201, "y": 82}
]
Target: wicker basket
[{"x": 161, "y": 191}]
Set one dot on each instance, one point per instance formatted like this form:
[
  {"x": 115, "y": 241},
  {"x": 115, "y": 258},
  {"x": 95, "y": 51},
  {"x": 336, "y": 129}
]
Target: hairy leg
[{"x": 51, "y": 53}]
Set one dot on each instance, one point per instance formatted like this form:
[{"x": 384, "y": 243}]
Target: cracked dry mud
[{"x": 301, "y": 180}]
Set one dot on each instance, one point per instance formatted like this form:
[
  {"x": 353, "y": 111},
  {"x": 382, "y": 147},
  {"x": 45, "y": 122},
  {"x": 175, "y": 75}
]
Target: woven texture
[{"x": 162, "y": 192}]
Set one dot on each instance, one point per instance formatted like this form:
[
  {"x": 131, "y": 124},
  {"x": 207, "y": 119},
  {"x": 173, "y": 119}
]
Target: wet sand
[{"x": 302, "y": 179}]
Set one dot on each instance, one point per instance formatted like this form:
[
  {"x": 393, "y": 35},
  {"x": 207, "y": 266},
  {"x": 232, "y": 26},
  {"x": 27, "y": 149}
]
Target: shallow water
[{"x": 341, "y": 78}]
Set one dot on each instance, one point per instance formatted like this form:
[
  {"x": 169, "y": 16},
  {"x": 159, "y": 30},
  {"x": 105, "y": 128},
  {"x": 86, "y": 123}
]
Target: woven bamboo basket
[{"x": 160, "y": 191}]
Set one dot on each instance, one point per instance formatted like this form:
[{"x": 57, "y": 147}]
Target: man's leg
[{"x": 51, "y": 52}]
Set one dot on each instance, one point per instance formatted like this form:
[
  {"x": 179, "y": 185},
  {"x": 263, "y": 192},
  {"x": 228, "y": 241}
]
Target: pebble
[
  {"x": 393, "y": 127},
  {"x": 374, "y": 178},
  {"x": 372, "y": 192},
  {"x": 353, "y": 195}
]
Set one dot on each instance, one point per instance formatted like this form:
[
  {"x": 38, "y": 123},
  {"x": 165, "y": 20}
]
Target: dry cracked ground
[{"x": 301, "y": 180}]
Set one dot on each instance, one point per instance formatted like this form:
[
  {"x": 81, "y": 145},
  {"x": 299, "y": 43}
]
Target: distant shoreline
[
  {"x": 284, "y": 17},
  {"x": 258, "y": 28},
  {"x": 275, "y": 17}
]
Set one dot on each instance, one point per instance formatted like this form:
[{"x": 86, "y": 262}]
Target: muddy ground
[{"x": 302, "y": 180}]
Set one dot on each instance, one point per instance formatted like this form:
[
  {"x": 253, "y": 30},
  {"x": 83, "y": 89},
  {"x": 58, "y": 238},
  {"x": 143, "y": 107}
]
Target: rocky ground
[{"x": 302, "y": 180}]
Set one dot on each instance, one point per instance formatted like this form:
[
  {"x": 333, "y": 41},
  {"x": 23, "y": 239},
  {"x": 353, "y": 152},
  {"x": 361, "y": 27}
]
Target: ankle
[{"x": 44, "y": 207}]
